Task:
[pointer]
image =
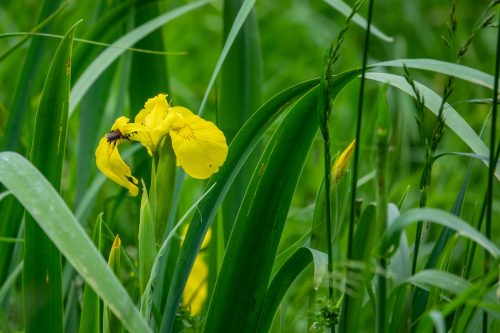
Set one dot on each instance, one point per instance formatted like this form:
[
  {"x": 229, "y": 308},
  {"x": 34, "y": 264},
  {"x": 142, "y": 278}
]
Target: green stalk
[
  {"x": 324, "y": 111},
  {"x": 492, "y": 167},
  {"x": 43, "y": 299},
  {"x": 352, "y": 215},
  {"x": 324, "y": 105},
  {"x": 382, "y": 139}
]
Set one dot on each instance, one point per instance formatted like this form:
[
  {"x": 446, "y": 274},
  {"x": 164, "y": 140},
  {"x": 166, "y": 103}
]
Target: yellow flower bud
[{"x": 340, "y": 166}]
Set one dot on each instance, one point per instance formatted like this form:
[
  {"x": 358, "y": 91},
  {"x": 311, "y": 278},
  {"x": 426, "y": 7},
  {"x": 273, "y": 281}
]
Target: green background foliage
[{"x": 253, "y": 68}]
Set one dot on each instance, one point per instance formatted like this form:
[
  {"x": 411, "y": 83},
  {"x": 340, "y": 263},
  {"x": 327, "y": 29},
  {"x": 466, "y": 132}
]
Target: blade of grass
[
  {"x": 491, "y": 169},
  {"x": 459, "y": 71},
  {"x": 239, "y": 150},
  {"x": 42, "y": 286},
  {"x": 432, "y": 101},
  {"x": 391, "y": 239},
  {"x": 253, "y": 243},
  {"x": 359, "y": 118},
  {"x": 48, "y": 209}
]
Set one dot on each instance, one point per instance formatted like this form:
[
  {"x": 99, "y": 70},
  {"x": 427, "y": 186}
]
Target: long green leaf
[
  {"x": 239, "y": 150},
  {"x": 43, "y": 300},
  {"x": 295, "y": 265},
  {"x": 459, "y": 71},
  {"x": 253, "y": 244},
  {"x": 433, "y": 101},
  {"x": 391, "y": 239},
  {"x": 55, "y": 218},
  {"x": 108, "y": 56},
  {"x": 454, "y": 284}
]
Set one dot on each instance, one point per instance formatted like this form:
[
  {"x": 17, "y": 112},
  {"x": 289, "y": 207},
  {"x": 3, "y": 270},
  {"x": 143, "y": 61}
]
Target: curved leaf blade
[
  {"x": 433, "y": 101},
  {"x": 391, "y": 239},
  {"x": 28, "y": 185},
  {"x": 253, "y": 243},
  {"x": 239, "y": 150},
  {"x": 287, "y": 274}
]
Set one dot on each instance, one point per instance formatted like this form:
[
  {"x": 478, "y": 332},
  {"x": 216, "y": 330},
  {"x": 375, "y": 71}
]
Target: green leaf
[
  {"x": 287, "y": 274},
  {"x": 146, "y": 300},
  {"x": 459, "y": 71},
  {"x": 42, "y": 286},
  {"x": 346, "y": 10},
  {"x": 90, "y": 318},
  {"x": 110, "y": 54},
  {"x": 430, "y": 278},
  {"x": 239, "y": 150},
  {"x": 40, "y": 199},
  {"x": 243, "y": 13},
  {"x": 253, "y": 244},
  {"x": 391, "y": 239},
  {"x": 433, "y": 101},
  {"x": 147, "y": 244}
]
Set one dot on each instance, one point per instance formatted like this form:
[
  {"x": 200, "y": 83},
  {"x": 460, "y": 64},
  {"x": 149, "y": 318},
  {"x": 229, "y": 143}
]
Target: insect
[{"x": 116, "y": 135}]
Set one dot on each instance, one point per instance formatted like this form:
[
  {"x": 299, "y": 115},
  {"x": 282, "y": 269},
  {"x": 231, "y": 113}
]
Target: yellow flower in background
[
  {"x": 340, "y": 166},
  {"x": 200, "y": 147},
  {"x": 196, "y": 289},
  {"x": 195, "y": 293}
]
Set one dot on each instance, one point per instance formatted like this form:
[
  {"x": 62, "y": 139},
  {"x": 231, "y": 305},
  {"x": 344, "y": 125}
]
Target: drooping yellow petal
[
  {"x": 110, "y": 163},
  {"x": 199, "y": 145},
  {"x": 195, "y": 292}
]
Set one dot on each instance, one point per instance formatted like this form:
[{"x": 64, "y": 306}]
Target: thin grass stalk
[
  {"x": 352, "y": 215},
  {"x": 324, "y": 111},
  {"x": 472, "y": 252},
  {"x": 492, "y": 167},
  {"x": 382, "y": 140}
]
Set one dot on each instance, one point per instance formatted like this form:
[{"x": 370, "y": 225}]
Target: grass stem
[
  {"x": 354, "y": 182},
  {"x": 492, "y": 167}
]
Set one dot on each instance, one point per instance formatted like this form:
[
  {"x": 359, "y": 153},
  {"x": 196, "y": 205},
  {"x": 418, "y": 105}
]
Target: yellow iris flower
[{"x": 200, "y": 147}]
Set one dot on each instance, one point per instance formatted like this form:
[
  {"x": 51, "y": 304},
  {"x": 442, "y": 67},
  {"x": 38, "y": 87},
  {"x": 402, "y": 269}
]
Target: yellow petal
[
  {"x": 200, "y": 147},
  {"x": 195, "y": 292},
  {"x": 155, "y": 110},
  {"x": 110, "y": 163}
]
